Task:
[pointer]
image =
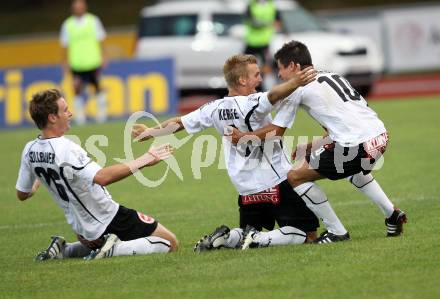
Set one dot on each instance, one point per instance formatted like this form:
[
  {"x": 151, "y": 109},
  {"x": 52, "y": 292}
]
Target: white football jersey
[
  {"x": 339, "y": 108},
  {"x": 251, "y": 167},
  {"x": 67, "y": 172}
]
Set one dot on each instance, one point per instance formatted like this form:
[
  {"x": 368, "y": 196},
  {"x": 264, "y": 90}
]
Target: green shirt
[
  {"x": 260, "y": 26},
  {"x": 84, "y": 50}
]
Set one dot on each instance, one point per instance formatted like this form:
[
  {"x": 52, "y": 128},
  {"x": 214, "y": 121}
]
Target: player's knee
[
  {"x": 174, "y": 243},
  {"x": 360, "y": 180},
  {"x": 291, "y": 177},
  {"x": 290, "y": 230},
  {"x": 294, "y": 178},
  {"x": 315, "y": 196},
  {"x": 297, "y": 236},
  {"x": 164, "y": 233}
]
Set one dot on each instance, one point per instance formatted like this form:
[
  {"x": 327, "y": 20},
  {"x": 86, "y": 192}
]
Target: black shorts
[
  {"x": 129, "y": 224},
  {"x": 289, "y": 209},
  {"x": 262, "y": 53},
  {"x": 88, "y": 77},
  {"x": 335, "y": 161}
]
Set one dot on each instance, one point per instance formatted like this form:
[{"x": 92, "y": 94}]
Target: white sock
[
  {"x": 79, "y": 113},
  {"x": 371, "y": 188},
  {"x": 101, "y": 107},
  {"x": 285, "y": 235},
  {"x": 235, "y": 236},
  {"x": 140, "y": 246},
  {"x": 76, "y": 250},
  {"x": 317, "y": 202}
]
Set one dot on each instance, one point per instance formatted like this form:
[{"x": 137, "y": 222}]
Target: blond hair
[{"x": 236, "y": 66}]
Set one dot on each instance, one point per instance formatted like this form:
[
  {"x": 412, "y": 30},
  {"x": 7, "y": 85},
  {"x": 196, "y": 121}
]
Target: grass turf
[{"x": 369, "y": 266}]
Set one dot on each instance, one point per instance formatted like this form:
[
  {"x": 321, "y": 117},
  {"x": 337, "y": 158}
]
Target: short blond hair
[{"x": 236, "y": 66}]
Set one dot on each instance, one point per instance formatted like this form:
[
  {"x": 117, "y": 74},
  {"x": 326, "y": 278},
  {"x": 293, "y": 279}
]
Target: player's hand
[
  {"x": 305, "y": 76},
  {"x": 159, "y": 153},
  {"x": 234, "y": 134},
  {"x": 299, "y": 151},
  {"x": 139, "y": 132}
]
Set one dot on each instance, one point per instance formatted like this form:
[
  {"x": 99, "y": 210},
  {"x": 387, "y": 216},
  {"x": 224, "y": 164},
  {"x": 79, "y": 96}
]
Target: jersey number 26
[{"x": 51, "y": 176}]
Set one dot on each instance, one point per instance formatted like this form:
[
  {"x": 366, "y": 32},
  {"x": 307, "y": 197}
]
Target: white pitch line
[{"x": 32, "y": 225}]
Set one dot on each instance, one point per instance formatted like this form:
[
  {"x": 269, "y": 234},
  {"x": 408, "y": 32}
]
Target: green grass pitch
[{"x": 369, "y": 266}]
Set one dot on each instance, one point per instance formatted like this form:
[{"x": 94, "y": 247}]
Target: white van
[{"x": 201, "y": 35}]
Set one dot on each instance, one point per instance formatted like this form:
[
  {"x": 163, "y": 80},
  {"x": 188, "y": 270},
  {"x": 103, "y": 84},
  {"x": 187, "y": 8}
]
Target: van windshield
[
  {"x": 178, "y": 25},
  {"x": 299, "y": 20},
  {"x": 223, "y": 22}
]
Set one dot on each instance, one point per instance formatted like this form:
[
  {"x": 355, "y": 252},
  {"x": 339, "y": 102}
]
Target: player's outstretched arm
[
  {"x": 114, "y": 173},
  {"x": 300, "y": 78},
  {"x": 264, "y": 133},
  {"x": 141, "y": 132}
]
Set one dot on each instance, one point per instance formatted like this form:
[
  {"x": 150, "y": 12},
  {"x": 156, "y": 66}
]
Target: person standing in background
[
  {"x": 81, "y": 37},
  {"x": 261, "y": 22}
]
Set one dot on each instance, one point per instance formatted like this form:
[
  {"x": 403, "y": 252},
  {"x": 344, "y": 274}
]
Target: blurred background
[{"x": 165, "y": 57}]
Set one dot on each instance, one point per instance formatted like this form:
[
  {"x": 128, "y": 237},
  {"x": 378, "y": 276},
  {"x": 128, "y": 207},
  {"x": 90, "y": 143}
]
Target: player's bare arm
[
  {"x": 274, "y": 131},
  {"x": 264, "y": 133},
  {"x": 141, "y": 132},
  {"x": 300, "y": 78},
  {"x": 114, "y": 173},
  {"x": 25, "y": 195}
]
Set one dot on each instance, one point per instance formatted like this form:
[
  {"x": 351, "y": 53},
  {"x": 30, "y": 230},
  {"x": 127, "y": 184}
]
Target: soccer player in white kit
[
  {"x": 77, "y": 184},
  {"x": 356, "y": 138},
  {"x": 258, "y": 174}
]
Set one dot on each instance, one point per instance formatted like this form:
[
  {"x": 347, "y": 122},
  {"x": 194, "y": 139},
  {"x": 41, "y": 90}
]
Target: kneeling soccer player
[{"x": 77, "y": 184}]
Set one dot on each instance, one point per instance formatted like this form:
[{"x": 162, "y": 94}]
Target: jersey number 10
[{"x": 345, "y": 91}]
